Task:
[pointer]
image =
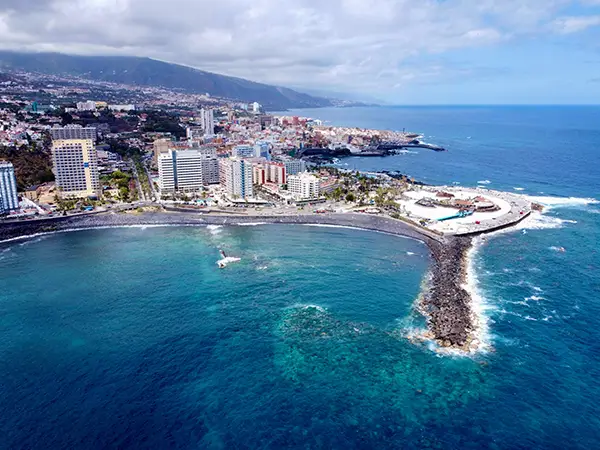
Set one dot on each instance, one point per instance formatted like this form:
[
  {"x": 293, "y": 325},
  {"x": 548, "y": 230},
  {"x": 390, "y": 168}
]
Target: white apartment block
[
  {"x": 9, "y": 200},
  {"x": 73, "y": 132},
  {"x": 259, "y": 174},
  {"x": 303, "y": 186},
  {"x": 194, "y": 133},
  {"x": 186, "y": 170},
  {"x": 76, "y": 167},
  {"x": 86, "y": 106},
  {"x": 236, "y": 177},
  {"x": 208, "y": 121},
  {"x": 121, "y": 107},
  {"x": 277, "y": 173}
]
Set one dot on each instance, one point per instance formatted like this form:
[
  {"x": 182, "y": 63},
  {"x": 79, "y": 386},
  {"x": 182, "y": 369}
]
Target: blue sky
[{"x": 399, "y": 51}]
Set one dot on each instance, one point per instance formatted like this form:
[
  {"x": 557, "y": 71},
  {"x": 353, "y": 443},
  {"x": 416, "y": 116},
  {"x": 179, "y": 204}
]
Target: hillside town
[{"x": 64, "y": 152}]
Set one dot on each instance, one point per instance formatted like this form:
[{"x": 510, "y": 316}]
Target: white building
[
  {"x": 76, "y": 167},
  {"x": 186, "y": 170},
  {"x": 9, "y": 201},
  {"x": 194, "y": 133},
  {"x": 294, "y": 166},
  {"x": 269, "y": 172},
  {"x": 245, "y": 151},
  {"x": 303, "y": 186},
  {"x": 208, "y": 121},
  {"x": 236, "y": 177},
  {"x": 276, "y": 173},
  {"x": 73, "y": 132},
  {"x": 209, "y": 151},
  {"x": 121, "y": 107},
  {"x": 86, "y": 106},
  {"x": 256, "y": 108}
]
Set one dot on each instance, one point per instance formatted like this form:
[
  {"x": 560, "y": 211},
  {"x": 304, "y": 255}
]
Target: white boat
[{"x": 222, "y": 263}]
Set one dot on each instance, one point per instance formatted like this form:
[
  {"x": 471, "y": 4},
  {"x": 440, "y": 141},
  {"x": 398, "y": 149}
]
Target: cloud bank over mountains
[{"x": 370, "y": 46}]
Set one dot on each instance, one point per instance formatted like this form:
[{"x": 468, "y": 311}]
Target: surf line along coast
[{"x": 445, "y": 303}]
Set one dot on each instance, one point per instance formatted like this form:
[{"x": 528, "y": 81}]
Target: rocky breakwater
[{"x": 446, "y": 303}]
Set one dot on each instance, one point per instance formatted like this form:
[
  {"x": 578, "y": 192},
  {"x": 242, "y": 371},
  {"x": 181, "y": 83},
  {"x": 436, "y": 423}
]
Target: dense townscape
[{"x": 78, "y": 153}]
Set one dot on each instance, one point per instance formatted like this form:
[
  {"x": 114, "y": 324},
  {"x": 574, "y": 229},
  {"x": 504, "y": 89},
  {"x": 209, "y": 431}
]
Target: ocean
[{"x": 133, "y": 338}]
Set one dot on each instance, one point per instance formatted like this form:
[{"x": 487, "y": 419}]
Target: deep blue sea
[{"x": 133, "y": 338}]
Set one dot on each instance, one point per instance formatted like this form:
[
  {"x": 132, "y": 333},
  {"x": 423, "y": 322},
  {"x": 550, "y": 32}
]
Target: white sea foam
[
  {"x": 101, "y": 227},
  {"x": 557, "y": 249},
  {"x": 484, "y": 182},
  {"x": 214, "y": 229},
  {"x": 535, "y": 298},
  {"x": 306, "y": 306},
  {"x": 410, "y": 253},
  {"x": 519, "y": 189},
  {"x": 539, "y": 221},
  {"x": 33, "y": 241},
  {"x": 251, "y": 224},
  {"x": 479, "y": 305},
  {"x": 561, "y": 202}
]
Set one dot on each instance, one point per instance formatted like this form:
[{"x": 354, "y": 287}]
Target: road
[{"x": 142, "y": 194}]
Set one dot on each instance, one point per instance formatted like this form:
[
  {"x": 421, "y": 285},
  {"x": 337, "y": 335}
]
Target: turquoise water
[{"x": 133, "y": 338}]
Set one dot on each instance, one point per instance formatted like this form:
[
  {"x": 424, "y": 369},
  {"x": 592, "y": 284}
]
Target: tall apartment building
[
  {"x": 259, "y": 174},
  {"x": 9, "y": 200},
  {"x": 186, "y": 170},
  {"x": 160, "y": 146},
  {"x": 73, "y": 132},
  {"x": 277, "y": 173},
  {"x": 303, "y": 185},
  {"x": 76, "y": 167},
  {"x": 236, "y": 177},
  {"x": 208, "y": 121},
  {"x": 294, "y": 166}
]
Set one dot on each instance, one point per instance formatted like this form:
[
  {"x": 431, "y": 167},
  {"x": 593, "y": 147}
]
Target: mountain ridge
[{"x": 143, "y": 71}]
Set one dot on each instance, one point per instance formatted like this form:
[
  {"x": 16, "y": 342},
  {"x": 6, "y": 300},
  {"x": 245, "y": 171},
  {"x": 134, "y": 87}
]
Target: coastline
[{"x": 446, "y": 303}]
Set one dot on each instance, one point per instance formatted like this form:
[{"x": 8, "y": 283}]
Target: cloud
[
  {"x": 353, "y": 45},
  {"x": 575, "y": 24}
]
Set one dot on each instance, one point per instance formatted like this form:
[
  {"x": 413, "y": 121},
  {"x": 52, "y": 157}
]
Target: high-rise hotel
[
  {"x": 236, "y": 177},
  {"x": 187, "y": 170},
  {"x": 9, "y": 201},
  {"x": 76, "y": 167}
]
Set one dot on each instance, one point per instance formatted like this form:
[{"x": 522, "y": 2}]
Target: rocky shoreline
[{"x": 446, "y": 304}]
